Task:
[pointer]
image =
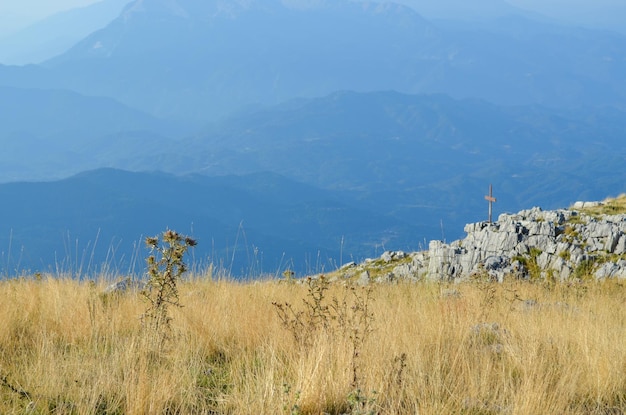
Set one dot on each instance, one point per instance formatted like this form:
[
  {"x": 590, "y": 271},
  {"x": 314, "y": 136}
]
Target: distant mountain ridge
[
  {"x": 400, "y": 121},
  {"x": 422, "y": 159},
  {"x": 192, "y": 60},
  {"x": 56, "y": 34},
  {"x": 454, "y": 9},
  {"x": 62, "y": 111},
  {"x": 248, "y": 225},
  {"x": 419, "y": 127},
  {"x": 55, "y": 133},
  {"x": 284, "y": 52}
]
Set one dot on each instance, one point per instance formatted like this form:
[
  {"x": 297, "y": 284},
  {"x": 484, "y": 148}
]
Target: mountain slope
[
  {"x": 426, "y": 160},
  {"x": 455, "y": 9},
  {"x": 249, "y": 224},
  {"x": 201, "y": 60},
  {"x": 56, "y": 34},
  {"x": 48, "y": 134},
  {"x": 258, "y": 52},
  {"x": 387, "y": 128},
  {"x": 47, "y": 112}
]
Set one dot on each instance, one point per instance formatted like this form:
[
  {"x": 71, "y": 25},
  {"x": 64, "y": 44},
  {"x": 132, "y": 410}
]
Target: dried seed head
[
  {"x": 152, "y": 241},
  {"x": 170, "y": 236}
]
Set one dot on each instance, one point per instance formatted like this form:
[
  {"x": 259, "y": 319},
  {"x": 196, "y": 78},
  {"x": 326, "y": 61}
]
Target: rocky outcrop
[
  {"x": 558, "y": 244},
  {"x": 124, "y": 286}
]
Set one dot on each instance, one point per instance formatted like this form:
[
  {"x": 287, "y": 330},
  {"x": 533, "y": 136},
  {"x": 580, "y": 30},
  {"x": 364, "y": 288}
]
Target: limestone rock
[
  {"x": 124, "y": 286},
  {"x": 364, "y": 278},
  {"x": 550, "y": 239},
  {"x": 556, "y": 242}
]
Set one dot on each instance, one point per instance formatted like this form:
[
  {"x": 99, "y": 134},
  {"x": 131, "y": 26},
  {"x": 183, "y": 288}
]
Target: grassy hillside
[
  {"x": 257, "y": 348},
  {"x": 609, "y": 206}
]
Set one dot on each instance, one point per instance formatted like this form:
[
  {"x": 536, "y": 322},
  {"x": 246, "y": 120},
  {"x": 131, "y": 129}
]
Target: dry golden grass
[
  {"x": 609, "y": 206},
  {"x": 464, "y": 349}
]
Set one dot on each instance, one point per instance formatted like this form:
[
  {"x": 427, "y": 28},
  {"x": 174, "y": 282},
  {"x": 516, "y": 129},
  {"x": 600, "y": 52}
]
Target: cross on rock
[{"x": 490, "y": 199}]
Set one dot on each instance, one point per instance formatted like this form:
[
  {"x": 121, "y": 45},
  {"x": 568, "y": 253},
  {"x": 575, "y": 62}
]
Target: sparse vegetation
[
  {"x": 166, "y": 266},
  {"x": 375, "y": 269},
  {"x": 345, "y": 317},
  {"x": 585, "y": 269},
  {"x": 543, "y": 352},
  {"x": 609, "y": 206},
  {"x": 570, "y": 232},
  {"x": 529, "y": 261}
]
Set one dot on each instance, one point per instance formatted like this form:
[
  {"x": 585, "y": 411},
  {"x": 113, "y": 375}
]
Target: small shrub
[
  {"x": 571, "y": 234},
  {"x": 359, "y": 404},
  {"x": 290, "y": 401},
  {"x": 575, "y": 220},
  {"x": 584, "y": 270},
  {"x": 165, "y": 268},
  {"x": 354, "y": 319},
  {"x": 349, "y": 317},
  {"x": 289, "y": 276},
  {"x": 305, "y": 324},
  {"x": 529, "y": 262},
  {"x": 489, "y": 289}
]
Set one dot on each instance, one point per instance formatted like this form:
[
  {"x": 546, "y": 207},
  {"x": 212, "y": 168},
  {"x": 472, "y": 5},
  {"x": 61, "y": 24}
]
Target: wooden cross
[{"x": 490, "y": 199}]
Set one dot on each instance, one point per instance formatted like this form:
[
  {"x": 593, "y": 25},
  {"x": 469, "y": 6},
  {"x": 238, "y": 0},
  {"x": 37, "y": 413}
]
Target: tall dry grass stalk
[{"x": 515, "y": 348}]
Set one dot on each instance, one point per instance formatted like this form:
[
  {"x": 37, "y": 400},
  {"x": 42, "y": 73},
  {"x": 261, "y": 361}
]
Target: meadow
[{"x": 313, "y": 347}]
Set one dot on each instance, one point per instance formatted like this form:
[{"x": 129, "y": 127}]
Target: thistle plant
[
  {"x": 305, "y": 324},
  {"x": 165, "y": 269},
  {"x": 354, "y": 321},
  {"x": 349, "y": 316}
]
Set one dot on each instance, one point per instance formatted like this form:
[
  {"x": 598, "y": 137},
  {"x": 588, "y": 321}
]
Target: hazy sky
[
  {"x": 14, "y": 11},
  {"x": 16, "y": 14},
  {"x": 39, "y": 7},
  {"x": 45, "y": 7}
]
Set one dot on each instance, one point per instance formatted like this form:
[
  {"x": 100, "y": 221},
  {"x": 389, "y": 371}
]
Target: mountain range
[
  {"x": 191, "y": 60},
  {"x": 321, "y": 129},
  {"x": 247, "y": 225},
  {"x": 399, "y": 170}
]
